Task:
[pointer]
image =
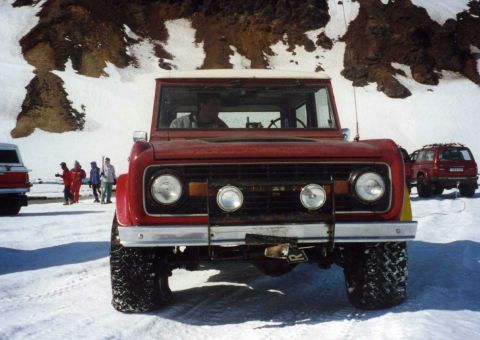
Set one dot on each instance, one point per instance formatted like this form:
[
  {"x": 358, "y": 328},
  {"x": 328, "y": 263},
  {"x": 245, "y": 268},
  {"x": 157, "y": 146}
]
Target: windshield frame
[{"x": 165, "y": 132}]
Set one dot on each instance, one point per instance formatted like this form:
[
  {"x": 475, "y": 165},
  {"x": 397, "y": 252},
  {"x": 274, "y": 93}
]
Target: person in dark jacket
[
  {"x": 78, "y": 174},
  {"x": 67, "y": 182},
  {"x": 95, "y": 180}
]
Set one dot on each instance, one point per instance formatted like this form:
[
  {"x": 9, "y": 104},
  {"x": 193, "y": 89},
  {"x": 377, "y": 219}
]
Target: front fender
[{"x": 122, "y": 205}]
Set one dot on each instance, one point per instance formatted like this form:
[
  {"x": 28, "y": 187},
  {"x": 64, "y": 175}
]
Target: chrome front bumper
[{"x": 202, "y": 235}]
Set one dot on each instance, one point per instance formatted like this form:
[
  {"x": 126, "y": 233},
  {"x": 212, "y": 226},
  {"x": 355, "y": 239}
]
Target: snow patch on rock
[
  {"x": 182, "y": 39},
  {"x": 239, "y": 61},
  {"x": 341, "y": 14},
  {"x": 15, "y": 72},
  {"x": 442, "y": 10}
]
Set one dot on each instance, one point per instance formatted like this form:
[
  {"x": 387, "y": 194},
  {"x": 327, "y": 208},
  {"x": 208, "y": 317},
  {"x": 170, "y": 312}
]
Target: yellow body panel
[{"x": 406, "y": 214}]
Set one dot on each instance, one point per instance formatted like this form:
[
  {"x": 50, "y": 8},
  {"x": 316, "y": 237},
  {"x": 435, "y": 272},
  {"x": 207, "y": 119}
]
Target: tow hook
[
  {"x": 284, "y": 248},
  {"x": 287, "y": 252}
]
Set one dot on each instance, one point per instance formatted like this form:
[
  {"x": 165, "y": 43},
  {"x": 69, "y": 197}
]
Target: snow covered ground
[{"x": 54, "y": 284}]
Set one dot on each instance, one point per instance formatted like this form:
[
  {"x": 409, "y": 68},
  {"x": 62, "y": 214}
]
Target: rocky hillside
[
  {"x": 400, "y": 32},
  {"x": 90, "y": 34}
]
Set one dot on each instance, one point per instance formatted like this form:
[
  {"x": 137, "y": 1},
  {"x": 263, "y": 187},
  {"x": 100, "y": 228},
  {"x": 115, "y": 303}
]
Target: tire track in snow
[
  {"x": 353, "y": 321},
  {"x": 207, "y": 303},
  {"x": 81, "y": 279}
]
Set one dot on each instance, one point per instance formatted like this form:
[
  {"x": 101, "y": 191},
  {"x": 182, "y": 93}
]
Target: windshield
[
  {"x": 240, "y": 107},
  {"x": 8, "y": 157}
]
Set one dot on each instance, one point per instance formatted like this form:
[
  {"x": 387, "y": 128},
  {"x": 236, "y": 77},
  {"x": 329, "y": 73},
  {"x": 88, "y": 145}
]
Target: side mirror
[
  {"x": 346, "y": 134},
  {"x": 139, "y": 136}
]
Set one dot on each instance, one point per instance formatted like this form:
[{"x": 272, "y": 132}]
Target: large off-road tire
[
  {"x": 376, "y": 274},
  {"x": 139, "y": 277},
  {"x": 273, "y": 267},
  {"x": 10, "y": 209},
  {"x": 424, "y": 189},
  {"x": 467, "y": 190}
]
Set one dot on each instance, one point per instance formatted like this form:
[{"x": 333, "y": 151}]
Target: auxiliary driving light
[
  {"x": 166, "y": 189},
  {"x": 229, "y": 198},
  {"x": 370, "y": 187},
  {"x": 313, "y": 196}
]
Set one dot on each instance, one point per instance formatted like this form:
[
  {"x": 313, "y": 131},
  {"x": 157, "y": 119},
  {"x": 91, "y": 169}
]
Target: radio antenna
[{"x": 357, "y": 130}]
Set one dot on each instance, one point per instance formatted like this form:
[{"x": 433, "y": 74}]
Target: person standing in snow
[
  {"x": 78, "y": 174},
  {"x": 108, "y": 180},
  {"x": 94, "y": 182},
  {"x": 67, "y": 182}
]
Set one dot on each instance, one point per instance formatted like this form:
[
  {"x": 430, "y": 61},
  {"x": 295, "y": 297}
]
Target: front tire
[
  {"x": 376, "y": 274},
  {"x": 10, "y": 209},
  {"x": 424, "y": 189},
  {"x": 139, "y": 277}
]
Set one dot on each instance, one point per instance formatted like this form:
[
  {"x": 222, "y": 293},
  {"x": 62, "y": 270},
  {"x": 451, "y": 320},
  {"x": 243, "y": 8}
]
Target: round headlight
[
  {"x": 313, "y": 196},
  {"x": 370, "y": 187},
  {"x": 166, "y": 189},
  {"x": 229, "y": 198}
]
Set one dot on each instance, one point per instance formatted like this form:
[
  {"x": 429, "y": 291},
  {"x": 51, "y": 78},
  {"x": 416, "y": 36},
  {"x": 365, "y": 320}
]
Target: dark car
[{"x": 436, "y": 167}]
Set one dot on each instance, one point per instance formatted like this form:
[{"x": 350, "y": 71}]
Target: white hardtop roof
[
  {"x": 242, "y": 74},
  {"x": 8, "y": 146}
]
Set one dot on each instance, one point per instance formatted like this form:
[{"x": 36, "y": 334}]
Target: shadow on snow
[
  {"x": 58, "y": 213},
  {"x": 14, "y": 260},
  {"x": 441, "y": 277}
]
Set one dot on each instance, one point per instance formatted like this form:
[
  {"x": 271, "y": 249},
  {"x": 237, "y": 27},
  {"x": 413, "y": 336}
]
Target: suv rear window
[
  {"x": 456, "y": 154},
  {"x": 8, "y": 157}
]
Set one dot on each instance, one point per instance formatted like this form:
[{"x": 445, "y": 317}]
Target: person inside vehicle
[{"x": 206, "y": 117}]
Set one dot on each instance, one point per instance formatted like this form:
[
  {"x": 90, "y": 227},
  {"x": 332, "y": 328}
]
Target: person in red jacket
[
  {"x": 67, "y": 182},
  {"x": 78, "y": 174}
]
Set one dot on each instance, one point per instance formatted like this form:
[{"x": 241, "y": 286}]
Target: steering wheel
[{"x": 273, "y": 123}]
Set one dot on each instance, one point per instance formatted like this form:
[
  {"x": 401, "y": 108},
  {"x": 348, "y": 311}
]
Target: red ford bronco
[
  {"x": 252, "y": 165},
  {"x": 437, "y": 167},
  {"x": 14, "y": 181}
]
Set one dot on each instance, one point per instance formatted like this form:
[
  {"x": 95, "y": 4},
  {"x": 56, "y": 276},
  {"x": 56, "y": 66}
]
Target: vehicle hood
[{"x": 269, "y": 148}]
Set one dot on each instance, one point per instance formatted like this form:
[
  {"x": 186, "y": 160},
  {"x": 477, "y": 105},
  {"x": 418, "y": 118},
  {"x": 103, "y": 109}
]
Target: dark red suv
[
  {"x": 14, "y": 180},
  {"x": 437, "y": 167}
]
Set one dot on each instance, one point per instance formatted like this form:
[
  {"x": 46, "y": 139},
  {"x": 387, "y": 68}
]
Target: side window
[
  {"x": 421, "y": 156},
  {"x": 466, "y": 155},
  {"x": 301, "y": 114},
  {"x": 324, "y": 110},
  {"x": 429, "y": 156}
]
